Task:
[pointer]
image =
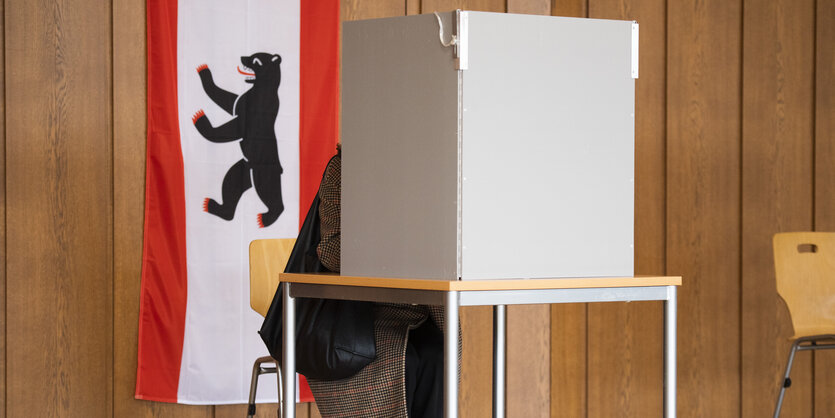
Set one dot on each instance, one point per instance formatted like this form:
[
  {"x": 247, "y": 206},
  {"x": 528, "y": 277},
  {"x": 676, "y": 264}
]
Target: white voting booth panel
[{"x": 509, "y": 155}]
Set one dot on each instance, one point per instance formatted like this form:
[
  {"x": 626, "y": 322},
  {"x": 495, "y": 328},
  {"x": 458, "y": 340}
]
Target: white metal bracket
[
  {"x": 634, "y": 49},
  {"x": 458, "y": 40},
  {"x": 462, "y": 61}
]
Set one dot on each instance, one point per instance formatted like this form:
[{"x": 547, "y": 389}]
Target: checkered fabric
[
  {"x": 379, "y": 389},
  {"x": 329, "y": 206}
]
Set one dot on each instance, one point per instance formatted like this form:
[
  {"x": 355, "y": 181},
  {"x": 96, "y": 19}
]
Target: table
[{"x": 497, "y": 293}]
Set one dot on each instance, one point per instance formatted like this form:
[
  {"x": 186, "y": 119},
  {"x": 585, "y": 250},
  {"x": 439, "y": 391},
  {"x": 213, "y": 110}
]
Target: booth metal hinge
[
  {"x": 462, "y": 61},
  {"x": 458, "y": 41},
  {"x": 634, "y": 49}
]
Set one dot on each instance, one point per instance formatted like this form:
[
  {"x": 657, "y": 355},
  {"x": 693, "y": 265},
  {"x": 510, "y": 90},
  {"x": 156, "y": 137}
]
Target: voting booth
[{"x": 488, "y": 145}]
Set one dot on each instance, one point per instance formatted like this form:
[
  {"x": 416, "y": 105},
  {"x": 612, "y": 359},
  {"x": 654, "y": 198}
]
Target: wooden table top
[{"x": 493, "y": 284}]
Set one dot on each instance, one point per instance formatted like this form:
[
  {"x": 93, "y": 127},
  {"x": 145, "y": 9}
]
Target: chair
[
  {"x": 805, "y": 269},
  {"x": 267, "y": 258}
]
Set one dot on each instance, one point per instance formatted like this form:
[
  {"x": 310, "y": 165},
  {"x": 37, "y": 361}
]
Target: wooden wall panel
[
  {"x": 568, "y": 360},
  {"x": 429, "y": 6},
  {"x": 703, "y": 200},
  {"x": 825, "y": 117},
  {"x": 824, "y": 362},
  {"x": 530, "y": 7},
  {"x": 314, "y": 411},
  {"x": 3, "y": 259},
  {"x": 476, "y": 391},
  {"x": 777, "y": 129},
  {"x": 58, "y": 178},
  {"x": 570, "y": 8},
  {"x": 528, "y": 361},
  {"x": 626, "y": 339},
  {"x": 650, "y": 132},
  {"x": 825, "y": 176},
  {"x": 358, "y": 9},
  {"x": 413, "y": 7}
]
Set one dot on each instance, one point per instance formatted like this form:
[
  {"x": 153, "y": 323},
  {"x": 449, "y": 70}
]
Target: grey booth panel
[
  {"x": 548, "y": 149},
  {"x": 400, "y": 159}
]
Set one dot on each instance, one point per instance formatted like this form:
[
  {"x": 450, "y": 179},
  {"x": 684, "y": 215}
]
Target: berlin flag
[{"x": 242, "y": 119}]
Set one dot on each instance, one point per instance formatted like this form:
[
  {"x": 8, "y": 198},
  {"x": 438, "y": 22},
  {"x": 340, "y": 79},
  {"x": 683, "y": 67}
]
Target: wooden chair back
[
  {"x": 805, "y": 269},
  {"x": 267, "y": 258}
]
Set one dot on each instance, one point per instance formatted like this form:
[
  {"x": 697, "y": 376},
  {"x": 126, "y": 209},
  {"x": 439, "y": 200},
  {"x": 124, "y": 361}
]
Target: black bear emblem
[{"x": 253, "y": 123}]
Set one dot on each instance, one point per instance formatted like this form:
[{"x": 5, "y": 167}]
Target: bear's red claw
[
  {"x": 202, "y": 67},
  {"x": 200, "y": 113}
]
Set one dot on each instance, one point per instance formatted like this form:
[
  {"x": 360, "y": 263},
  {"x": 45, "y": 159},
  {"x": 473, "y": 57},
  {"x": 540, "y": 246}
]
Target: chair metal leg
[
  {"x": 810, "y": 343},
  {"x": 253, "y": 388},
  {"x": 257, "y": 371},
  {"x": 786, "y": 380},
  {"x": 280, "y": 391}
]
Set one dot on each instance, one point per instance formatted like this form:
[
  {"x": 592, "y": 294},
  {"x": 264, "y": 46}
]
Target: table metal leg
[
  {"x": 670, "y": 353},
  {"x": 288, "y": 369},
  {"x": 451, "y": 355},
  {"x": 499, "y": 359}
]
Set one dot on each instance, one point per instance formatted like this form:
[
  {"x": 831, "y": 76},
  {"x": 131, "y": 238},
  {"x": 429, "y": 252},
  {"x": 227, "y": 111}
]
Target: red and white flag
[{"x": 242, "y": 118}]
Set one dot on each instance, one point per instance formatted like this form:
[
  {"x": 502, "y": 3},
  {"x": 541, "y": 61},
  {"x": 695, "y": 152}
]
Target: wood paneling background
[
  {"x": 703, "y": 199},
  {"x": 824, "y": 160},
  {"x": 735, "y": 141},
  {"x": 59, "y": 183},
  {"x": 626, "y": 385},
  {"x": 778, "y": 179}
]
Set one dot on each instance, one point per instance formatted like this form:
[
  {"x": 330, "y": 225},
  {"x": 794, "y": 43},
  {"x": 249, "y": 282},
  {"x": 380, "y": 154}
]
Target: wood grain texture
[
  {"x": 625, "y": 340},
  {"x": 58, "y": 176},
  {"x": 531, "y": 7},
  {"x": 824, "y": 363},
  {"x": 429, "y": 6},
  {"x": 3, "y": 310},
  {"x": 358, "y": 9},
  {"x": 825, "y": 117},
  {"x": 625, "y": 348},
  {"x": 314, "y": 411},
  {"x": 476, "y": 391},
  {"x": 528, "y": 361},
  {"x": 569, "y": 397},
  {"x": 703, "y": 200},
  {"x": 412, "y": 7},
  {"x": 570, "y": 8},
  {"x": 777, "y": 164}
]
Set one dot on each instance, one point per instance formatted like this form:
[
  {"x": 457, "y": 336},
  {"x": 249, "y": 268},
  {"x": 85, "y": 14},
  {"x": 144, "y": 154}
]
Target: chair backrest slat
[
  {"x": 805, "y": 269},
  {"x": 267, "y": 258}
]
